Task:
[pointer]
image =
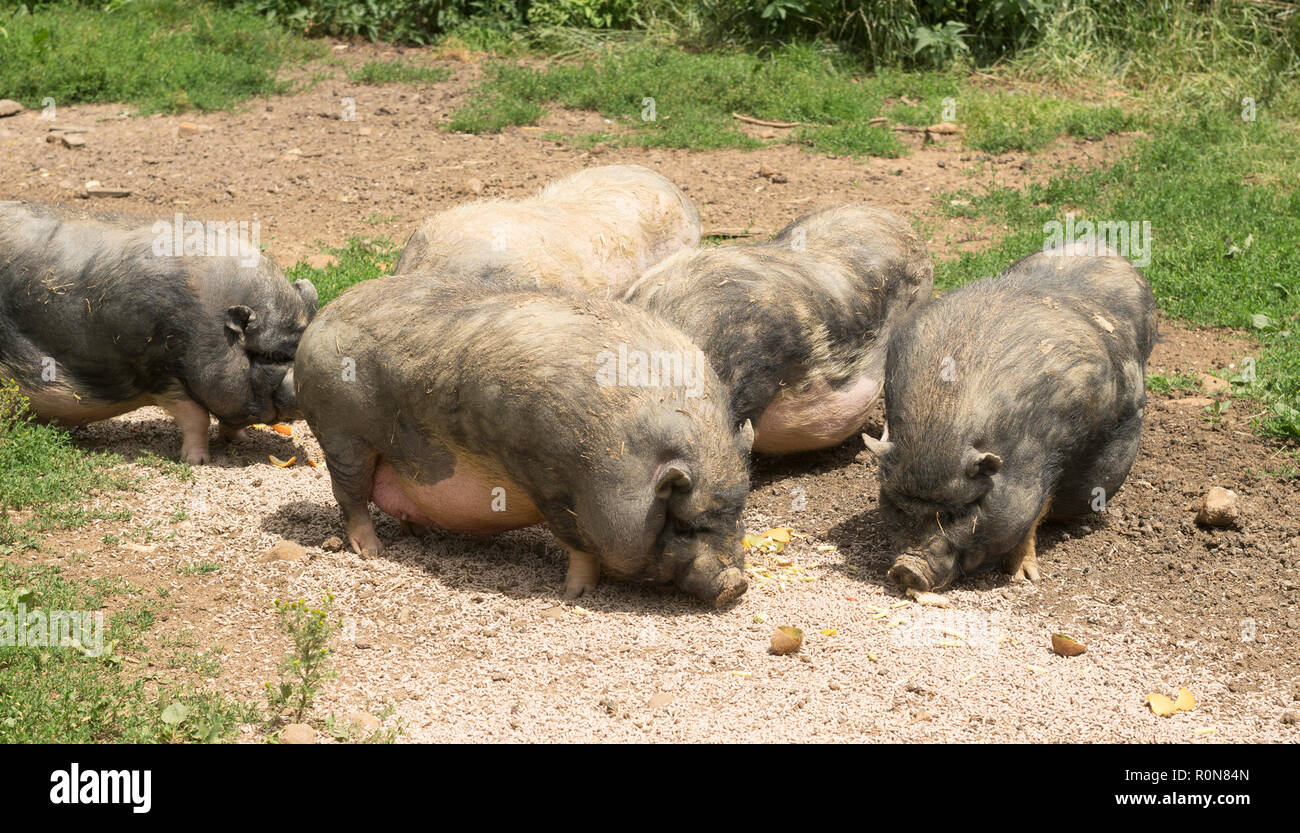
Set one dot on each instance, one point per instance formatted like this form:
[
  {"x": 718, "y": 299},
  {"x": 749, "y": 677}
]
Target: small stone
[
  {"x": 94, "y": 189},
  {"x": 187, "y": 128},
  {"x": 660, "y": 700},
  {"x": 364, "y": 131},
  {"x": 332, "y": 544},
  {"x": 284, "y": 551},
  {"x": 72, "y": 140},
  {"x": 322, "y": 261},
  {"x": 1213, "y": 384},
  {"x": 611, "y": 707},
  {"x": 297, "y": 733},
  {"x": 473, "y": 186},
  {"x": 1290, "y": 717},
  {"x": 365, "y": 721},
  {"x": 556, "y": 612},
  {"x": 1219, "y": 507},
  {"x": 8, "y": 107}
]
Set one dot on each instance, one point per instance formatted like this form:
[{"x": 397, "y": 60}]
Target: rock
[
  {"x": 53, "y": 138},
  {"x": 556, "y": 612},
  {"x": 293, "y": 153},
  {"x": 780, "y": 179},
  {"x": 364, "y": 721},
  {"x": 332, "y": 544},
  {"x": 611, "y": 707},
  {"x": 94, "y": 189},
  {"x": 1290, "y": 717},
  {"x": 284, "y": 551},
  {"x": 297, "y": 733},
  {"x": 1219, "y": 507},
  {"x": 364, "y": 131},
  {"x": 187, "y": 128},
  {"x": 1192, "y": 402},
  {"x": 9, "y": 107},
  {"x": 72, "y": 140},
  {"x": 942, "y": 128},
  {"x": 321, "y": 261},
  {"x": 472, "y": 186},
  {"x": 786, "y": 640},
  {"x": 771, "y": 173},
  {"x": 1213, "y": 384},
  {"x": 659, "y": 700}
]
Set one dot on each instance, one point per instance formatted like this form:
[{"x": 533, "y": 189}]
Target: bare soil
[{"x": 466, "y": 637}]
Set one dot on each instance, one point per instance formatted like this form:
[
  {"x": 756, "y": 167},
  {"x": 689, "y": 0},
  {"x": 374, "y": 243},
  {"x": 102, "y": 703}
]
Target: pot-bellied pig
[
  {"x": 100, "y": 316},
  {"x": 796, "y": 327},
  {"x": 485, "y": 412},
  {"x": 1007, "y": 401},
  {"x": 594, "y": 231}
]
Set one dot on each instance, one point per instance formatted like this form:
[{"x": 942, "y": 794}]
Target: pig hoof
[
  {"x": 1027, "y": 571},
  {"x": 366, "y": 544},
  {"x": 911, "y": 573},
  {"x": 584, "y": 573}
]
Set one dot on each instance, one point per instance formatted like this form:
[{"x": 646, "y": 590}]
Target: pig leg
[
  {"x": 352, "y": 475},
  {"x": 193, "y": 420},
  {"x": 584, "y": 572},
  {"x": 1022, "y": 562}
]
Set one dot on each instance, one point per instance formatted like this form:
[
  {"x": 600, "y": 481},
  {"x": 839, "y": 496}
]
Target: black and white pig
[
  {"x": 1008, "y": 401},
  {"x": 95, "y": 322},
  {"x": 593, "y": 231},
  {"x": 796, "y": 327},
  {"x": 480, "y": 412}
]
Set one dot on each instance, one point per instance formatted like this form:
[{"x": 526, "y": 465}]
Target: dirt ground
[{"x": 466, "y": 637}]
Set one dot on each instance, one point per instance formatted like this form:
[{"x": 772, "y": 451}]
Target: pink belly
[
  {"x": 818, "y": 418},
  {"x": 467, "y": 501}
]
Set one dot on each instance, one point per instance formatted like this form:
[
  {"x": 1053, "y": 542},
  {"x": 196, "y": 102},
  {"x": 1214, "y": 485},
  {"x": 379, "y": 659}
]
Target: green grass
[
  {"x": 389, "y": 72},
  {"x": 1178, "y": 382},
  {"x": 695, "y": 95},
  {"x": 58, "y": 694},
  {"x": 159, "y": 55},
  {"x": 1226, "y": 248},
  {"x": 361, "y": 259},
  {"x": 44, "y": 478}
]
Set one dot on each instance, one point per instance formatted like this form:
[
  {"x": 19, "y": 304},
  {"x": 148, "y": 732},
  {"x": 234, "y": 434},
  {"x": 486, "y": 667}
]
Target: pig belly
[
  {"x": 817, "y": 418},
  {"x": 461, "y": 503}
]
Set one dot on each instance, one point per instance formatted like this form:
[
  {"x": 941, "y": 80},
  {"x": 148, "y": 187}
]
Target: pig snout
[
  {"x": 286, "y": 399},
  {"x": 710, "y": 581},
  {"x": 931, "y": 567}
]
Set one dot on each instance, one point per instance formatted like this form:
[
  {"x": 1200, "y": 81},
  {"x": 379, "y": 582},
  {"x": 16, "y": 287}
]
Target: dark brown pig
[
  {"x": 593, "y": 231},
  {"x": 100, "y": 316},
  {"x": 478, "y": 413},
  {"x": 796, "y": 327},
  {"x": 1008, "y": 401}
]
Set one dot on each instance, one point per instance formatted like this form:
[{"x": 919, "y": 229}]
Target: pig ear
[
  {"x": 982, "y": 462},
  {"x": 239, "y": 320},
  {"x": 308, "y": 292},
  {"x": 745, "y": 437},
  {"x": 672, "y": 475}
]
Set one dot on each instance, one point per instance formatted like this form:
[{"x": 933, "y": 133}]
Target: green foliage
[
  {"x": 360, "y": 259},
  {"x": 305, "y": 667},
  {"x": 161, "y": 55},
  {"x": 388, "y": 72}
]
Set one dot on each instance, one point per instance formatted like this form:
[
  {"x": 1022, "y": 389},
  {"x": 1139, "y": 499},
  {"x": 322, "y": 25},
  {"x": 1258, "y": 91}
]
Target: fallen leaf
[
  {"x": 1161, "y": 705},
  {"x": 284, "y": 464},
  {"x": 786, "y": 640},
  {"x": 1065, "y": 646}
]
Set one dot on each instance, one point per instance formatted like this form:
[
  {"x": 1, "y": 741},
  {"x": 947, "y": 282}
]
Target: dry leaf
[
  {"x": 1161, "y": 705},
  {"x": 786, "y": 640},
  {"x": 284, "y": 464},
  {"x": 1065, "y": 646}
]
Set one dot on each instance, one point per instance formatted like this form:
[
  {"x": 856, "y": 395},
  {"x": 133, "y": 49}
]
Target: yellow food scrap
[
  {"x": 829, "y": 632},
  {"x": 830, "y": 548},
  {"x": 1037, "y": 669},
  {"x": 1204, "y": 730},
  {"x": 581, "y": 611},
  {"x": 972, "y": 675},
  {"x": 1161, "y": 705},
  {"x": 780, "y": 533},
  {"x": 284, "y": 464},
  {"x": 872, "y": 657},
  {"x": 1185, "y": 702},
  {"x": 744, "y": 675},
  {"x": 282, "y": 429}
]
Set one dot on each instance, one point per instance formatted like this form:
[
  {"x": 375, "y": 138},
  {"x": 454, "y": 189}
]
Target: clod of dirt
[
  {"x": 611, "y": 707},
  {"x": 1212, "y": 384},
  {"x": 332, "y": 544},
  {"x": 1219, "y": 507},
  {"x": 187, "y": 128},
  {"x": 72, "y": 140},
  {"x": 9, "y": 107},
  {"x": 285, "y": 551},
  {"x": 556, "y": 612},
  {"x": 365, "y": 722},
  {"x": 772, "y": 173},
  {"x": 473, "y": 186},
  {"x": 786, "y": 640},
  {"x": 1290, "y": 717},
  {"x": 297, "y": 733},
  {"x": 1065, "y": 646}
]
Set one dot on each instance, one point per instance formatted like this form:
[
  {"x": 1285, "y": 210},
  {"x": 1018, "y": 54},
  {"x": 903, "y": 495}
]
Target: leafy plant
[{"x": 305, "y": 668}]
